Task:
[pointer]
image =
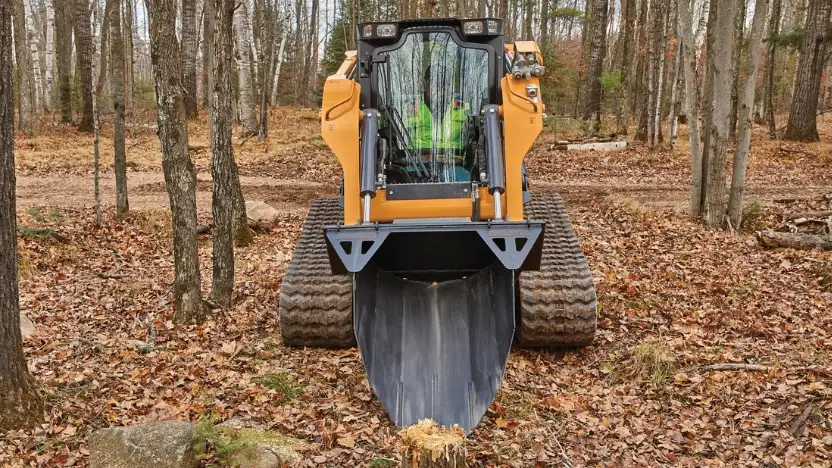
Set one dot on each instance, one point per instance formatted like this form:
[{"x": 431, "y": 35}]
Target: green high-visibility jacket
[{"x": 419, "y": 123}]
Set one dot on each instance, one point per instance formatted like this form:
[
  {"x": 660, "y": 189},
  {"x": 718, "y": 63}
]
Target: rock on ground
[
  {"x": 27, "y": 328},
  {"x": 163, "y": 444},
  {"x": 261, "y": 212}
]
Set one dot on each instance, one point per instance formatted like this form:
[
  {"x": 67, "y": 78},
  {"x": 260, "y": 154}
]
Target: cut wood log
[
  {"x": 810, "y": 214},
  {"x": 773, "y": 240},
  {"x": 596, "y": 146},
  {"x": 426, "y": 445}
]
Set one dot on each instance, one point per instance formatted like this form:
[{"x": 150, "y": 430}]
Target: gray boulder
[
  {"x": 163, "y": 444},
  {"x": 27, "y": 328},
  {"x": 260, "y": 212}
]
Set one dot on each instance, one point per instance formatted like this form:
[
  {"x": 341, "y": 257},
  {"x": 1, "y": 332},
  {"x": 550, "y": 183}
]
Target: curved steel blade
[{"x": 435, "y": 350}]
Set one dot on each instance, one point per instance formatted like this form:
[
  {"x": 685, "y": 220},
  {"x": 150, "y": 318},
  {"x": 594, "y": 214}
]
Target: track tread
[
  {"x": 316, "y": 306},
  {"x": 558, "y": 304}
]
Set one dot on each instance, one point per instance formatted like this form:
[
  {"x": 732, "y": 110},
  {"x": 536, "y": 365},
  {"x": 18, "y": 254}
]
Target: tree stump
[{"x": 426, "y": 445}]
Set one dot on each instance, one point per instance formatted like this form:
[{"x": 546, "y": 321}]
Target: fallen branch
[
  {"x": 810, "y": 214},
  {"x": 799, "y": 423},
  {"x": 796, "y": 151},
  {"x": 112, "y": 275},
  {"x": 774, "y": 239},
  {"x": 735, "y": 366}
]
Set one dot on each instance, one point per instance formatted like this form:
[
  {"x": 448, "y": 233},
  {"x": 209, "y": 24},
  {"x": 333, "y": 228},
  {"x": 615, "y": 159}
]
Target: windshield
[{"x": 429, "y": 90}]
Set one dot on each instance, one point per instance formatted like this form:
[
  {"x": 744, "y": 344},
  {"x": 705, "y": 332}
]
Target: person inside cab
[{"x": 436, "y": 123}]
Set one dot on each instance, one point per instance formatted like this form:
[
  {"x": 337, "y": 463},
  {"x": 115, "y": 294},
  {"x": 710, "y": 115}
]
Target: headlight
[
  {"x": 368, "y": 30},
  {"x": 386, "y": 30},
  {"x": 493, "y": 27},
  {"x": 472, "y": 27}
]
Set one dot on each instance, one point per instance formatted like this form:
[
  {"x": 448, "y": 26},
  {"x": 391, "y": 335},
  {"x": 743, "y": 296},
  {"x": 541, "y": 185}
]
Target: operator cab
[{"x": 430, "y": 81}]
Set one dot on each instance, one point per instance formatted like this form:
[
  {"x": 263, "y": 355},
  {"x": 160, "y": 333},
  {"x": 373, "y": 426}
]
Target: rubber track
[
  {"x": 558, "y": 304},
  {"x": 315, "y": 305}
]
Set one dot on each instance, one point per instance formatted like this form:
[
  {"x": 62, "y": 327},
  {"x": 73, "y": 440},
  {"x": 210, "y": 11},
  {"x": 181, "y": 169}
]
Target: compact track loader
[{"x": 437, "y": 257}]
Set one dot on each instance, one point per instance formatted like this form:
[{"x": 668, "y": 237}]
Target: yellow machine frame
[{"x": 340, "y": 121}]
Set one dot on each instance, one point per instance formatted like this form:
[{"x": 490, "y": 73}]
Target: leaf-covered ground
[{"x": 675, "y": 297}]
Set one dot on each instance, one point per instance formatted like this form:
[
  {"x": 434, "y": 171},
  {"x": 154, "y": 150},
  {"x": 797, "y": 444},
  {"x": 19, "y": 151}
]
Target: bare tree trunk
[
  {"x": 49, "y": 55},
  {"x": 656, "y": 51},
  {"x": 180, "y": 176},
  {"x": 117, "y": 67},
  {"x": 128, "y": 57},
  {"x": 736, "y": 64},
  {"x": 627, "y": 41},
  {"x": 802, "y": 124},
  {"x": 63, "y": 59},
  {"x": 207, "y": 41},
  {"x": 20, "y": 404},
  {"x": 248, "y": 110},
  {"x": 719, "y": 73},
  {"x": 25, "y": 79},
  {"x": 597, "y": 48},
  {"x": 692, "y": 100},
  {"x": 278, "y": 65},
  {"x": 768, "y": 92},
  {"x": 675, "y": 83},
  {"x": 222, "y": 167},
  {"x": 641, "y": 101},
  {"x": 33, "y": 38},
  {"x": 746, "y": 109},
  {"x": 189, "y": 54},
  {"x": 83, "y": 47},
  {"x": 105, "y": 48}
]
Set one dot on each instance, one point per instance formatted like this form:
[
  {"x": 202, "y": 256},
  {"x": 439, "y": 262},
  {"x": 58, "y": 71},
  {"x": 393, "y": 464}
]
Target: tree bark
[
  {"x": 127, "y": 23},
  {"x": 223, "y": 156},
  {"x": 105, "y": 48},
  {"x": 49, "y": 54},
  {"x": 189, "y": 54},
  {"x": 656, "y": 52},
  {"x": 641, "y": 102},
  {"x": 746, "y": 110},
  {"x": 33, "y": 38},
  {"x": 802, "y": 124},
  {"x": 774, "y": 239},
  {"x": 771, "y": 53},
  {"x": 180, "y": 176},
  {"x": 83, "y": 47},
  {"x": 627, "y": 41},
  {"x": 597, "y": 49},
  {"x": 280, "y": 56},
  {"x": 739, "y": 39},
  {"x": 692, "y": 101},
  {"x": 207, "y": 41},
  {"x": 117, "y": 73},
  {"x": 20, "y": 404},
  {"x": 719, "y": 74},
  {"x": 63, "y": 57},
  {"x": 25, "y": 79},
  {"x": 248, "y": 110}
]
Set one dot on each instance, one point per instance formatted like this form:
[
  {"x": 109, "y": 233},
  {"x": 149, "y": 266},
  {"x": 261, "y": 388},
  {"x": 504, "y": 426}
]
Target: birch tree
[{"x": 248, "y": 110}]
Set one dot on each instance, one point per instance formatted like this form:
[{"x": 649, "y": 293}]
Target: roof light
[
  {"x": 472, "y": 27},
  {"x": 368, "y": 30},
  {"x": 493, "y": 26},
  {"x": 386, "y": 30}
]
